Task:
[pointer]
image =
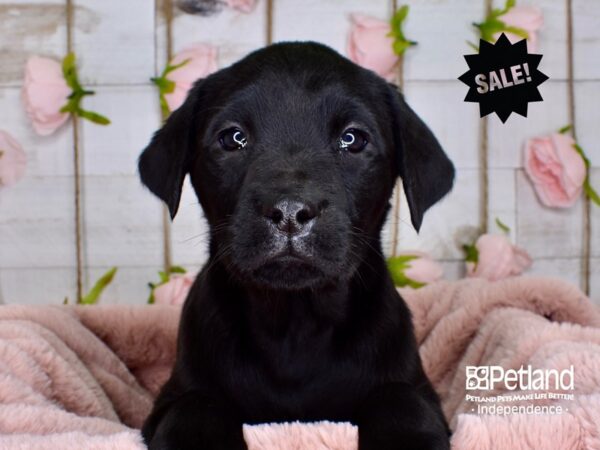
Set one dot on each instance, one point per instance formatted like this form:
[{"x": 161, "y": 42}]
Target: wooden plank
[
  {"x": 190, "y": 231},
  {"x": 595, "y": 280},
  {"x": 546, "y": 232},
  {"x": 502, "y": 200},
  {"x": 114, "y": 41},
  {"x": 457, "y": 210},
  {"x": 122, "y": 223},
  {"x": 37, "y": 286},
  {"x": 234, "y": 33},
  {"x": 506, "y": 140},
  {"x": 129, "y": 286},
  {"x": 566, "y": 269},
  {"x": 586, "y": 39},
  {"x": 299, "y": 21},
  {"x": 115, "y": 149},
  {"x": 456, "y": 127},
  {"x": 595, "y": 214},
  {"x": 29, "y": 27},
  {"x": 587, "y": 99},
  {"x": 122, "y": 218},
  {"x": 453, "y": 270},
  {"x": 552, "y": 37},
  {"x": 47, "y": 156},
  {"x": 441, "y": 28},
  {"x": 456, "y": 130},
  {"x": 37, "y": 256},
  {"x": 36, "y": 223}
]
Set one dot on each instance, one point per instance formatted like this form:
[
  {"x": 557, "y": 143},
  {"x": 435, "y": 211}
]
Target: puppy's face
[{"x": 293, "y": 153}]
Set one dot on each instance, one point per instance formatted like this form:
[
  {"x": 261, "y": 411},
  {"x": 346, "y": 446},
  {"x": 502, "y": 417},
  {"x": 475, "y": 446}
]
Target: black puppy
[{"x": 293, "y": 153}]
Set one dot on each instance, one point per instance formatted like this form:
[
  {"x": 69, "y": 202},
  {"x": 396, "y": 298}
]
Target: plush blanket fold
[{"x": 85, "y": 377}]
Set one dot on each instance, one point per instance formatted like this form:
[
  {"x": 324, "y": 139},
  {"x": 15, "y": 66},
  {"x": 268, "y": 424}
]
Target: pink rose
[
  {"x": 45, "y": 92},
  {"x": 423, "y": 269},
  {"x": 12, "y": 160},
  {"x": 370, "y": 46},
  {"x": 528, "y": 18},
  {"x": 202, "y": 61},
  {"x": 245, "y": 6},
  {"x": 555, "y": 168},
  {"x": 174, "y": 291},
  {"x": 498, "y": 258}
]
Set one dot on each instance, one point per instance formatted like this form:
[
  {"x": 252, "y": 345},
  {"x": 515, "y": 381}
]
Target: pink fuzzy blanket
[{"x": 85, "y": 377}]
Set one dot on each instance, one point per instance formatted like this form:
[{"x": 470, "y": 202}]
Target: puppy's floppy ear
[
  {"x": 165, "y": 161},
  {"x": 427, "y": 173}
]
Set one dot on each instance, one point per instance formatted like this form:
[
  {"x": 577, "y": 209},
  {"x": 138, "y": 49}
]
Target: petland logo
[{"x": 488, "y": 378}]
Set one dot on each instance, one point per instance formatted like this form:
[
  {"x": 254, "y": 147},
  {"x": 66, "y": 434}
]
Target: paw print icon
[{"x": 477, "y": 378}]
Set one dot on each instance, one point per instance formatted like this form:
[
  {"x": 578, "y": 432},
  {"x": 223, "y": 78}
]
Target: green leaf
[
  {"x": 397, "y": 265},
  {"x": 493, "y": 24},
  {"x": 471, "y": 253},
  {"x": 68, "y": 108},
  {"x": 68, "y": 63},
  {"x": 399, "y": 17},
  {"x": 579, "y": 150},
  {"x": 69, "y": 70},
  {"x": 518, "y": 31},
  {"x": 93, "y": 117},
  {"x": 565, "y": 129},
  {"x": 170, "y": 68},
  {"x": 400, "y": 43},
  {"x": 489, "y": 28},
  {"x": 404, "y": 281},
  {"x": 151, "y": 297},
  {"x": 164, "y": 277},
  {"x": 400, "y": 47},
  {"x": 473, "y": 46},
  {"x": 502, "y": 226},
  {"x": 498, "y": 12},
  {"x": 177, "y": 269},
  {"x": 590, "y": 192},
  {"x": 92, "y": 297},
  {"x": 587, "y": 187},
  {"x": 164, "y": 107},
  {"x": 165, "y": 86},
  {"x": 401, "y": 260}
]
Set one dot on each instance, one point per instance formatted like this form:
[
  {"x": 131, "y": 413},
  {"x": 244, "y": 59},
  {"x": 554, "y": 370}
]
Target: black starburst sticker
[{"x": 503, "y": 78}]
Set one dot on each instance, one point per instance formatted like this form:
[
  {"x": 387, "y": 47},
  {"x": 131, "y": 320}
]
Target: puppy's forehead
[{"x": 296, "y": 80}]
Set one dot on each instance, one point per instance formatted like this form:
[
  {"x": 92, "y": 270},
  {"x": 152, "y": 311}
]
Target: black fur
[{"x": 307, "y": 326}]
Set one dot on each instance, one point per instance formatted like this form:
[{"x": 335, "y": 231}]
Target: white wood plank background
[{"x": 120, "y": 45}]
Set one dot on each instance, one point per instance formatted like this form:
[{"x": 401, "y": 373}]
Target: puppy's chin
[{"x": 288, "y": 274}]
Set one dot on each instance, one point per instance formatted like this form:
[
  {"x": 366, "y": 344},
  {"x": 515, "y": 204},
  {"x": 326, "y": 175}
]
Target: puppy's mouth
[
  {"x": 288, "y": 270},
  {"x": 275, "y": 260}
]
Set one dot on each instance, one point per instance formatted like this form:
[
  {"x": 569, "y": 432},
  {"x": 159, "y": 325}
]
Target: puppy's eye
[
  {"x": 232, "y": 139},
  {"x": 352, "y": 140}
]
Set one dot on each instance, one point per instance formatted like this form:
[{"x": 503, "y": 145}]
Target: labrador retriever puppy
[{"x": 293, "y": 153}]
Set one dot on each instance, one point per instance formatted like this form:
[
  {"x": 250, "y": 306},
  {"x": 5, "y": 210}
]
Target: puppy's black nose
[{"x": 292, "y": 217}]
